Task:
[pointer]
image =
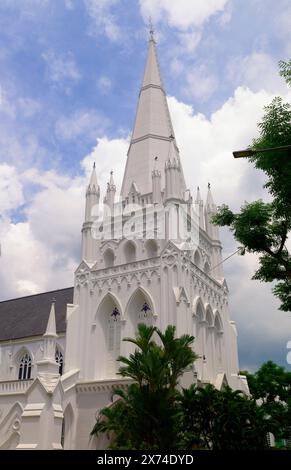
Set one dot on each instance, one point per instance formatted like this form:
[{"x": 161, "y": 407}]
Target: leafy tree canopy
[
  {"x": 261, "y": 227},
  {"x": 270, "y": 386},
  {"x": 155, "y": 413}
]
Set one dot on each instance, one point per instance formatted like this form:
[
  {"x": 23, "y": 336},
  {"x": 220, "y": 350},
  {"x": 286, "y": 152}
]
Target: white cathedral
[{"x": 58, "y": 349}]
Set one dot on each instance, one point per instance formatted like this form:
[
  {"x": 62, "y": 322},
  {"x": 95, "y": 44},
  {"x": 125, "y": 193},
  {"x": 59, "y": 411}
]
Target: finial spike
[
  {"x": 151, "y": 29},
  {"x": 209, "y": 185},
  {"x": 94, "y": 165}
]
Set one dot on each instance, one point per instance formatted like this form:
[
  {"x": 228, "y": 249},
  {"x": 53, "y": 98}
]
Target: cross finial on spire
[
  {"x": 94, "y": 165},
  {"x": 209, "y": 185},
  {"x": 151, "y": 29}
]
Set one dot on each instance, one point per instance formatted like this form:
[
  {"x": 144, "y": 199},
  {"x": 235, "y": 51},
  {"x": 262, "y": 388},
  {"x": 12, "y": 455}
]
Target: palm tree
[{"x": 147, "y": 415}]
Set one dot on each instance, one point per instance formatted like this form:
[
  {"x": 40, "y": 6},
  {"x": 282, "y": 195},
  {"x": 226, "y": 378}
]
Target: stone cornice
[
  {"x": 102, "y": 385},
  {"x": 150, "y": 85}
]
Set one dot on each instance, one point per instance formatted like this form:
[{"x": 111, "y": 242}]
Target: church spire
[
  {"x": 110, "y": 192},
  {"x": 92, "y": 194},
  {"x": 47, "y": 365},
  {"x": 152, "y": 131},
  {"x": 93, "y": 184},
  {"x": 51, "y": 330},
  {"x": 209, "y": 211},
  {"x": 92, "y": 202},
  {"x": 199, "y": 208}
]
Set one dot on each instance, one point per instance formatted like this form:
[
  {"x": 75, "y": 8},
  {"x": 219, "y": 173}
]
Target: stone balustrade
[{"x": 14, "y": 387}]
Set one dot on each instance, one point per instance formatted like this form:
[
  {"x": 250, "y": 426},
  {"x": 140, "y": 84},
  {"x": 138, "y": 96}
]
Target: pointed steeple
[
  {"x": 199, "y": 208},
  {"x": 209, "y": 200},
  {"x": 111, "y": 181},
  {"x": 110, "y": 192},
  {"x": 209, "y": 211},
  {"x": 152, "y": 70},
  {"x": 213, "y": 232},
  {"x": 152, "y": 132},
  {"x": 198, "y": 196},
  {"x": 51, "y": 330},
  {"x": 92, "y": 195},
  {"x": 91, "y": 210},
  {"x": 93, "y": 184},
  {"x": 47, "y": 366}
]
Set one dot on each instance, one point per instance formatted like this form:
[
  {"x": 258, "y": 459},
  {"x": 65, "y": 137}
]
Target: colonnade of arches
[
  {"x": 139, "y": 309},
  {"x": 129, "y": 252},
  {"x": 208, "y": 332}
]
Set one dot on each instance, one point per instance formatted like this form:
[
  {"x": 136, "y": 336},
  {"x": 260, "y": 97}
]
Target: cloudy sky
[{"x": 70, "y": 72}]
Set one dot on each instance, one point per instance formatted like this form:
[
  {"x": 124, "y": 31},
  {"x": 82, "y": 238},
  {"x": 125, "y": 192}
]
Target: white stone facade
[{"x": 119, "y": 283}]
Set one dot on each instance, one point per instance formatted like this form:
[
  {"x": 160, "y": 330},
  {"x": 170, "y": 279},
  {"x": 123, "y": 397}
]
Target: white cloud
[
  {"x": 257, "y": 71},
  {"x": 177, "y": 67},
  {"x": 24, "y": 261},
  {"x": 283, "y": 27},
  {"x": 108, "y": 155},
  {"x": 181, "y": 14},
  {"x": 190, "y": 40},
  {"x": 28, "y": 107},
  {"x": 11, "y": 194},
  {"x": 102, "y": 19},
  {"x": 206, "y": 145},
  {"x": 42, "y": 252},
  {"x": 104, "y": 84},
  {"x": 69, "y": 4},
  {"x": 61, "y": 67},
  {"x": 6, "y": 107},
  {"x": 200, "y": 84},
  {"x": 83, "y": 123}
]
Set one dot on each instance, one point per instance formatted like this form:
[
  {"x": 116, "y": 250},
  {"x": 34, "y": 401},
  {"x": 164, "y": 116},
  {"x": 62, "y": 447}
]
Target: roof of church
[{"x": 28, "y": 316}]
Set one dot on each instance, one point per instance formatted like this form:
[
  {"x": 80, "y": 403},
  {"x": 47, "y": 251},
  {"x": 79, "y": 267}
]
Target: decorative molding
[
  {"x": 181, "y": 295},
  {"x": 102, "y": 385}
]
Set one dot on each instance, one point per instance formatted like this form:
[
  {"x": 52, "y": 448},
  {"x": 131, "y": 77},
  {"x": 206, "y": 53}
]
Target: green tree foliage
[
  {"x": 222, "y": 420},
  {"x": 155, "y": 413},
  {"x": 285, "y": 70},
  {"x": 147, "y": 415},
  {"x": 263, "y": 227},
  {"x": 271, "y": 387}
]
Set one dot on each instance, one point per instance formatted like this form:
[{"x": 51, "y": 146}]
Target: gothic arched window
[
  {"x": 197, "y": 259},
  {"x": 130, "y": 252},
  {"x": 152, "y": 248},
  {"x": 24, "y": 371},
  {"x": 60, "y": 360},
  {"x": 113, "y": 338},
  {"x": 108, "y": 258}
]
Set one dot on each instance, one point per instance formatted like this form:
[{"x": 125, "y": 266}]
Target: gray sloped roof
[{"x": 28, "y": 316}]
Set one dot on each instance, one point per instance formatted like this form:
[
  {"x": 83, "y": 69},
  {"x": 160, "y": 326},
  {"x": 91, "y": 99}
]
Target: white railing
[{"x": 14, "y": 386}]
